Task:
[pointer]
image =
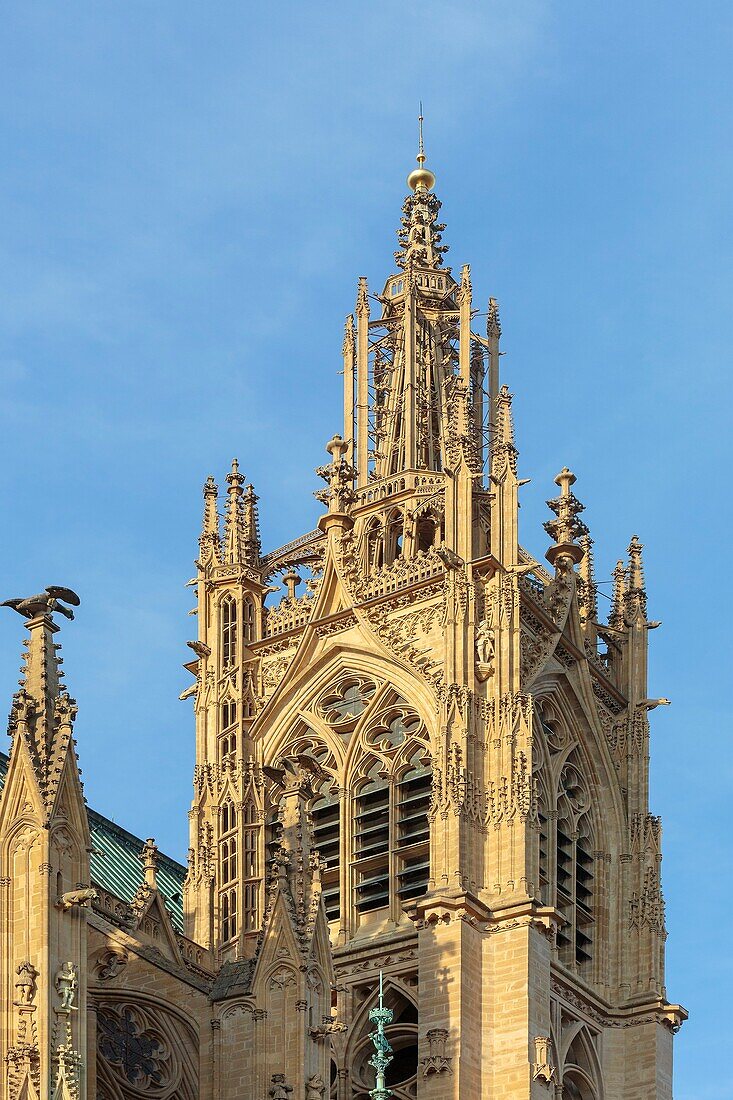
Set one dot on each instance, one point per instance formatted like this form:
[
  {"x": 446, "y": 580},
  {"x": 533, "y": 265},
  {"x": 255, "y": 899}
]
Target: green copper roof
[{"x": 116, "y": 865}]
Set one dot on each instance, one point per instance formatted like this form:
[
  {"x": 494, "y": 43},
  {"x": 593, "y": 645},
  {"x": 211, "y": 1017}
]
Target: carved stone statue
[
  {"x": 315, "y": 1087},
  {"x": 77, "y": 897},
  {"x": 66, "y": 982},
  {"x": 280, "y": 1089},
  {"x": 26, "y": 984},
  {"x": 45, "y": 603},
  {"x": 484, "y": 643}
]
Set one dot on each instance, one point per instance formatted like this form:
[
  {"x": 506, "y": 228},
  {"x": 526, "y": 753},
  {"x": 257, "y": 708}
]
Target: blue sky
[{"x": 189, "y": 193}]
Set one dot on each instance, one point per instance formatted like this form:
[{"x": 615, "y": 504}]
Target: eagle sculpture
[{"x": 45, "y": 603}]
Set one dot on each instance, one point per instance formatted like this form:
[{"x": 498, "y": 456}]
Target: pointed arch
[
  {"x": 394, "y": 535},
  {"x": 402, "y": 1034},
  {"x": 374, "y": 544},
  {"x": 582, "y": 1078}
]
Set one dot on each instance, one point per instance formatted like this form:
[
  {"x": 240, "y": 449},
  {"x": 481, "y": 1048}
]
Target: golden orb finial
[{"x": 421, "y": 178}]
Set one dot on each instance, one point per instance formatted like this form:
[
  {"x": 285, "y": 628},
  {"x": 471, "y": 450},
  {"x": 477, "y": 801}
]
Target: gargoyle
[
  {"x": 199, "y": 648},
  {"x": 76, "y": 897},
  {"x": 45, "y": 603}
]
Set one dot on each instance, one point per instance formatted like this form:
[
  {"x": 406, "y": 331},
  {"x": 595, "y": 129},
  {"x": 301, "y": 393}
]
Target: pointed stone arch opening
[
  {"x": 581, "y": 1075},
  {"x": 402, "y": 1034}
]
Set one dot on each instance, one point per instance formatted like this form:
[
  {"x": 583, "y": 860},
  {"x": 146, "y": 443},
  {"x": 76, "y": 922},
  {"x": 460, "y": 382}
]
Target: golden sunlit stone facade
[{"x": 431, "y": 761}]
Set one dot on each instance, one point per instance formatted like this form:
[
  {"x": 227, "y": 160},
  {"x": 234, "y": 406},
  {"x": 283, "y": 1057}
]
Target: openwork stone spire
[
  {"x": 420, "y": 233},
  {"x": 566, "y": 528}
]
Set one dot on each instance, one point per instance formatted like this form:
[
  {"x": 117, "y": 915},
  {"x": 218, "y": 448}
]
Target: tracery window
[
  {"x": 228, "y": 619},
  {"x": 377, "y": 852},
  {"x": 344, "y": 704},
  {"x": 390, "y": 849},
  {"x": 565, "y": 844},
  {"x": 574, "y": 869}
]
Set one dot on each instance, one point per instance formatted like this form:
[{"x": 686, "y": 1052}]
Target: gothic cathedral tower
[
  {"x": 424, "y": 773},
  {"x": 434, "y": 762}
]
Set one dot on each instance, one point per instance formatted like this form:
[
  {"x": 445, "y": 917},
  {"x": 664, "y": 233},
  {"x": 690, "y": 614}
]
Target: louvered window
[
  {"x": 583, "y": 900},
  {"x": 575, "y": 874},
  {"x": 326, "y": 813},
  {"x": 544, "y": 856},
  {"x": 564, "y": 872},
  {"x": 413, "y": 833},
  {"x": 371, "y": 845}
]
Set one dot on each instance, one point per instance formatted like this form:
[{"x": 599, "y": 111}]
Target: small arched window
[
  {"x": 427, "y": 529},
  {"x": 395, "y": 536},
  {"x": 229, "y": 860},
  {"x": 229, "y": 914},
  {"x": 374, "y": 545},
  {"x": 250, "y": 868},
  {"x": 228, "y": 714},
  {"x": 248, "y": 621},
  {"x": 228, "y": 615},
  {"x": 227, "y": 747},
  {"x": 228, "y": 818},
  {"x": 228, "y": 871}
]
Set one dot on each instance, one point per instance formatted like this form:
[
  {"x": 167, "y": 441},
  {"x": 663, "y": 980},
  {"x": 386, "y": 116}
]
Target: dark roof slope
[{"x": 116, "y": 865}]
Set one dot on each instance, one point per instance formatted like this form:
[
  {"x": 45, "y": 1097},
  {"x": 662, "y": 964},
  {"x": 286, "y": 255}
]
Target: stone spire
[
  {"x": 588, "y": 590},
  {"x": 210, "y": 539},
  {"x": 566, "y": 528},
  {"x": 616, "y": 615},
  {"x": 636, "y": 592},
  {"x": 233, "y": 521},
  {"x": 251, "y": 544},
  {"x": 504, "y": 452},
  {"x": 43, "y": 712}
]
